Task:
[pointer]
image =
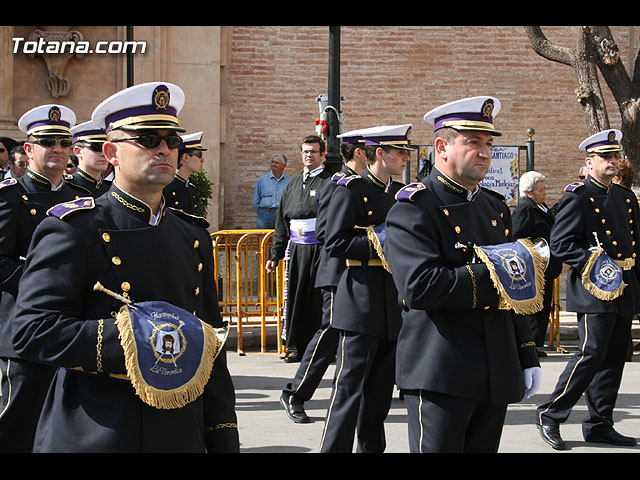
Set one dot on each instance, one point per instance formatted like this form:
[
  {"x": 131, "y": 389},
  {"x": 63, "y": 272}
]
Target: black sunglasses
[
  {"x": 50, "y": 142},
  {"x": 608, "y": 155},
  {"x": 152, "y": 140},
  {"x": 95, "y": 146}
]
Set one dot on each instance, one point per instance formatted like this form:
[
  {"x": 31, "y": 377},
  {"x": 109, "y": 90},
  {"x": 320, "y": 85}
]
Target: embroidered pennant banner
[
  {"x": 169, "y": 352},
  {"x": 602, "y": 276},
  {"x": 517, "y": 271}
]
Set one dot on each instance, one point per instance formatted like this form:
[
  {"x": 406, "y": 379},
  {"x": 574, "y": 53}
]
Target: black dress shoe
[
  {"x": 613, "y": 438},
  {"x": 551, "y": 435},
  {"x": 292, "y": 357},
  {"x": 295, "y": 411}
]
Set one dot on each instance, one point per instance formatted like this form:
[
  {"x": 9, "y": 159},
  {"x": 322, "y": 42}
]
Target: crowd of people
[
  {"x": 412, "y": 297},
  {"x": 111, "y": 336}
]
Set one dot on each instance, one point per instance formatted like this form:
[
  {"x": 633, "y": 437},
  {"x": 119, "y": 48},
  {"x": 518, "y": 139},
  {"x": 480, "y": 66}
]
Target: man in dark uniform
[
  {"x": 181, "y": 193},
  {"x": 23, "y": 205},
  {"x": 135, "y": 246},
  {"x": 88, "y": 140},
  {"x": 295, "y": 240},
  {"x": 596, "y": 217},
  {"x": 460, "y": 359},
  {"x": 321, "y": 350},
  {"x": 366, "y": 311}
]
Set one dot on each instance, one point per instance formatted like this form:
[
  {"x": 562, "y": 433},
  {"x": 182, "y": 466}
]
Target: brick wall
[{"x": 395, "y": 75}]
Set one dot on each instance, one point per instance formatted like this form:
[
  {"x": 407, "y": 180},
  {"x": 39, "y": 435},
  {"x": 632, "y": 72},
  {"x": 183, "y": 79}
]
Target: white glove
[{"x": 532, "y": 380}]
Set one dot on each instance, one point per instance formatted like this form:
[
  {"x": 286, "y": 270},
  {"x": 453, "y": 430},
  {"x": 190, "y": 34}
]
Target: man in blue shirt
[{"x": 268, "y": 191}]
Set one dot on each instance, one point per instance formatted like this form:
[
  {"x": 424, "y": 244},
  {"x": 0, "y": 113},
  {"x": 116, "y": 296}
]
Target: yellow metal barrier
[
  {"x": 554, "y": 319},
  {"x": 247, "y": 293}
]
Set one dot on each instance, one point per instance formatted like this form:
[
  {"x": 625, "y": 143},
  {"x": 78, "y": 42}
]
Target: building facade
[{"x": 253, "y": 89}]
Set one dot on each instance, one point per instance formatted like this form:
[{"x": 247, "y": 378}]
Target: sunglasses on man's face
[
  {"x": 50, "y": 142},
  {"x": 608, "y": 155},
  {"x": 152, "y": 140},
  {"x": 95, "y": 146}
]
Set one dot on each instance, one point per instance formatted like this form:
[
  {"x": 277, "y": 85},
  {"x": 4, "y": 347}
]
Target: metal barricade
[
  {"x": 554, "y": 318},
  {"x": 248, "y": 295}
]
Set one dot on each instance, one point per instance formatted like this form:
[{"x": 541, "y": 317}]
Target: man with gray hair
[{"x": 268, "y": 192}]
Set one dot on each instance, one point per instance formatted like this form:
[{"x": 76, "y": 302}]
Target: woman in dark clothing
[{"x": 532, "y": 218}]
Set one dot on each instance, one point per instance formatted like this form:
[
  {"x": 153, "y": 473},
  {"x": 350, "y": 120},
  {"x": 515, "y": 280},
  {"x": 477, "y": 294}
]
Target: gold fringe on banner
[
  {"x": 594, "y": 289},
  {"x": 375, "y": 241},
  {"x": 179, "y": 397},
  {"x": 523, "y": 307}
]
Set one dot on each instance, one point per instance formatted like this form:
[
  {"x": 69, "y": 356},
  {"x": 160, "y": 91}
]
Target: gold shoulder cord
[
  {"x": 473, "y": 283},
  {"x": 126, "y": 204}
]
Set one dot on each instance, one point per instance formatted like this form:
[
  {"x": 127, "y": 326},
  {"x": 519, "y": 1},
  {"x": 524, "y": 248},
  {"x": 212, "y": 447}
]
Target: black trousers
[
  {"x": 24, "y": 387},
  {"x": 596, "y": 370},
  {"x": 441, "y": 423},
  {"x": 303, "y": 315},
  {"x": 361, "y": 395},
  {"x": 318, "y": 355}
]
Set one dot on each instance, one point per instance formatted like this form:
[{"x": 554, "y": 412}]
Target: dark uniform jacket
[
  {"x": 330, "y": 268},
  {"x": 60, "y": 320},
  {"x": 23, "y": 205},
  {"x": 530, "y": 221},
  {"x": 84, "y": 180},
  {"x": 366, "y": 298},
  {"x": 612, "y": 214},
  {"x": 454, "y": 339},
  {"x": 181, "y": 194}
]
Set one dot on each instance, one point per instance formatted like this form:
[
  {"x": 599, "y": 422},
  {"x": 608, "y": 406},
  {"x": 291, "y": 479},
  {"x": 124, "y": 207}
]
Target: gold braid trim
[
  {"x": 373, "y": 240},
  {"x": 99, "y": 345},
  {"x": 593, "y": 289},
  {"x": 176, "y": 398},
  {"x": 530, "y": 306},
  {"x": 473, "y": 284},
  {"x": 220, "y": 426}
]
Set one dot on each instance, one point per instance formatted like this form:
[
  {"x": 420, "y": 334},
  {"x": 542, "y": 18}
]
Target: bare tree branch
[
  {"x": 543, "y": 47},
  {"x": 588, "y": 92}
]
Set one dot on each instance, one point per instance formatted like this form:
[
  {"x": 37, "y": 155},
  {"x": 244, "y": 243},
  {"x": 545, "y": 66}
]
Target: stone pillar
[{"x": 8, "y": 121}]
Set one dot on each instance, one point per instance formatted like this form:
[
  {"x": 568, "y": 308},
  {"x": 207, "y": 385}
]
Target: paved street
[{"x": 265, "y": 428}]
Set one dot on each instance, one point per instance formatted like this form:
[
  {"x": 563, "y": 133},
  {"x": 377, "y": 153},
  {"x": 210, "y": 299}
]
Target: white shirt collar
[{"x": 315, "y": 171}]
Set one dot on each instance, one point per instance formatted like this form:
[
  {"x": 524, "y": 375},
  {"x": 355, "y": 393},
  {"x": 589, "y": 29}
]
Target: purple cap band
[
  {"x": 87, "y": 133},
  {"x": 138, "y": 112},
  {"x": 49, "y": 123},
  {"x": 602, "y": 144},
  {"x": 379, "y": 140},
  {"x": 354, "y": 139},
  {"x": 474, "y": 117}
]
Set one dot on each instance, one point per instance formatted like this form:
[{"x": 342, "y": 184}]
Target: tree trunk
[
  {"x": 597, "y": 51},
  {"x": 624, "y": 90}
]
